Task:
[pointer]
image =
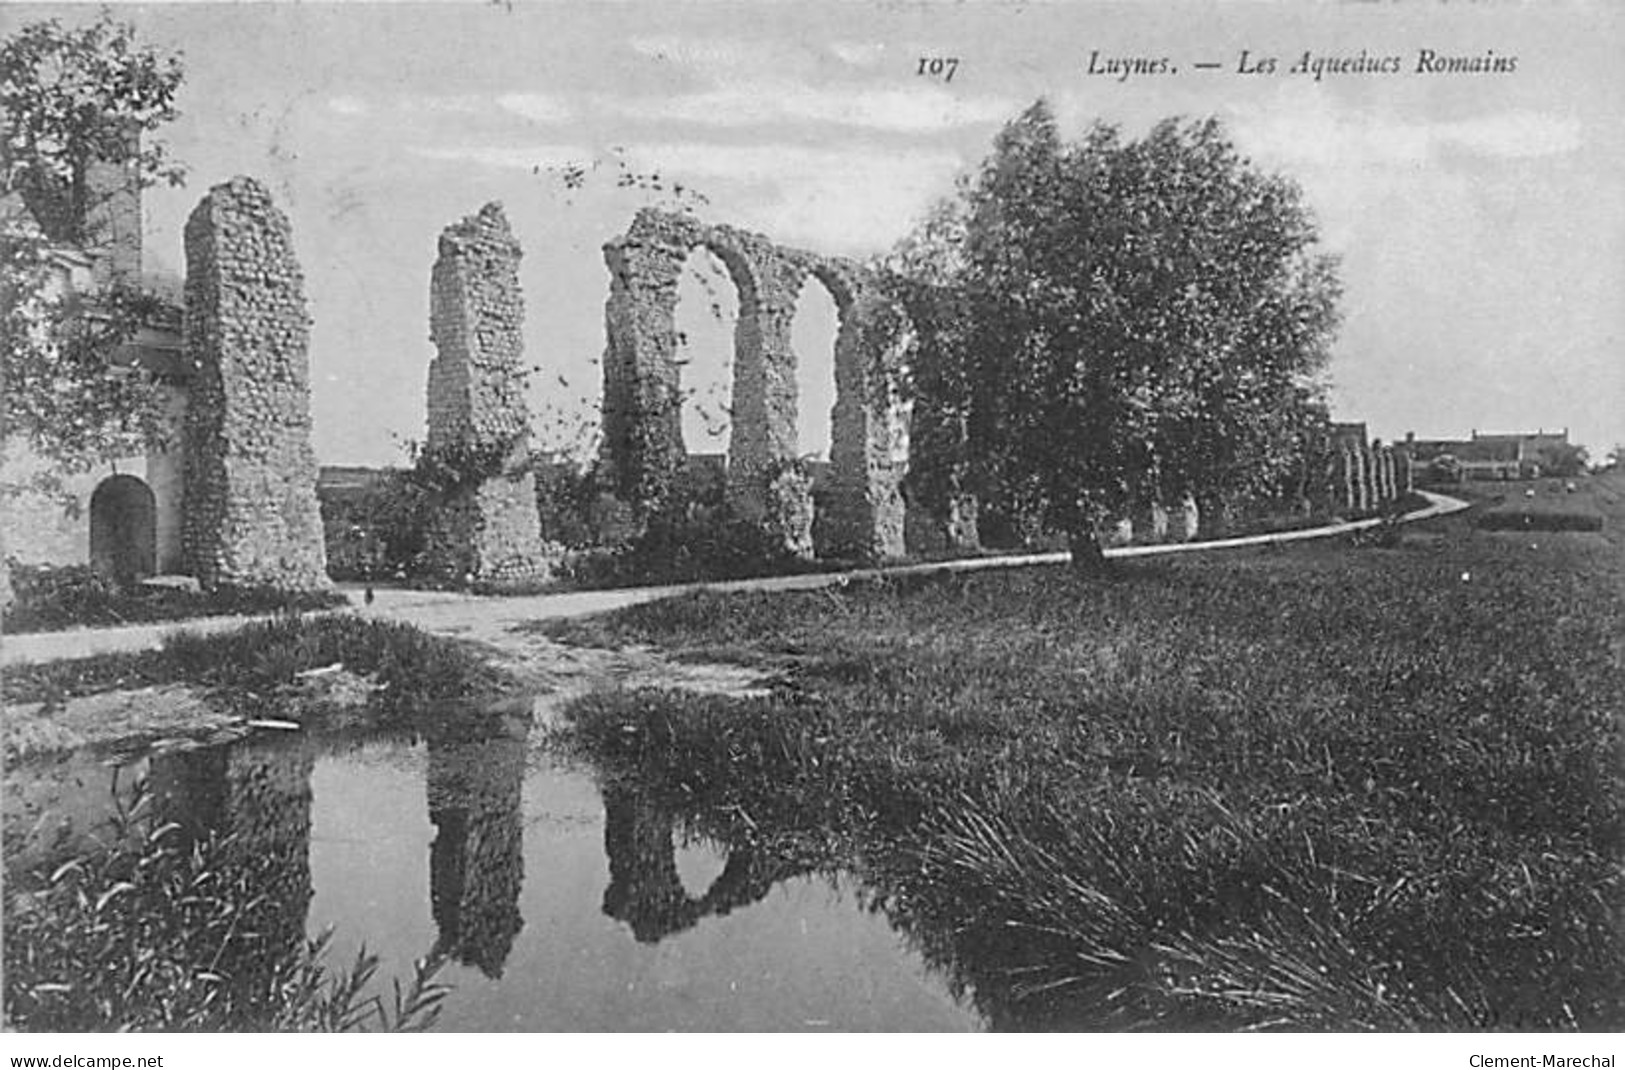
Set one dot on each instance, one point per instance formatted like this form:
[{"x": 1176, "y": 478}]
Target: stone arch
[
  {"x": 643, "y": 451},
  {"x": 123, "y": 528}
]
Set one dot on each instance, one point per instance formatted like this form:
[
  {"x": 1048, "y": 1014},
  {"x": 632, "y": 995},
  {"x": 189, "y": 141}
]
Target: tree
[
  {"x": 78, "y": 106},
  {"x": 1146, "y": 319},
  {"x": 76, "y": 100}
]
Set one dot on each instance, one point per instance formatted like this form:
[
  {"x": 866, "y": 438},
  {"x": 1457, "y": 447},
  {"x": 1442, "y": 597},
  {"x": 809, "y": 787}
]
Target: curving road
[{"x": 487, "y": 617}]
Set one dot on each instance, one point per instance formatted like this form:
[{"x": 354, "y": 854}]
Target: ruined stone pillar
[
  {"x": 1184, "y": 520},
  {"x": 642, "y": 453},
  {"x": 869, "y": 439},
  {"x": 1362, "y": 478},
  {"x": 251, "y": 516},
  {"x": 1118, "y": 531},
  {"x": 1150, "y": 520},
  {"x": 764, "y": 387},
  {"x": 486, "y": 527}
]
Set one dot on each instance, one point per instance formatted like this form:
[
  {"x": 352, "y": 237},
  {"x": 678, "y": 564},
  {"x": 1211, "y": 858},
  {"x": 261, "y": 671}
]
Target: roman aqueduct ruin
[{"x": 250, "y": 511}]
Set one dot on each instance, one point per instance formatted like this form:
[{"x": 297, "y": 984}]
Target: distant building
[
  {"x": 1350, "y": 436},
  {"x": 1518, "y": 455}
]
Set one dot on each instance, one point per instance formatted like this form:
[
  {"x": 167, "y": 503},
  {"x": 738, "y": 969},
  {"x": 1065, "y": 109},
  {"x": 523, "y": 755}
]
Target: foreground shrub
[
  {"x": 75, "y": 596},
  {"x": 159, "y": 932}
]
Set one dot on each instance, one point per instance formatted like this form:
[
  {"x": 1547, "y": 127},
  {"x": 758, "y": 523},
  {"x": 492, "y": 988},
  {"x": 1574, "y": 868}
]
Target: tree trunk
[{"x": 1088, "y": 555}]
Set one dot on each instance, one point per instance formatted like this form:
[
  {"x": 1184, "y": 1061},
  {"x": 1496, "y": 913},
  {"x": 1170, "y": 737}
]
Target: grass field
[
  {"x": 1551, "y": 504},
  {"x": 1325, "y": 788}
]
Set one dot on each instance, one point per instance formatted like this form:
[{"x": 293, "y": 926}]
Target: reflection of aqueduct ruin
[
  {"x": 645, "y": 890},
  {"x": 476, "y": 861}
]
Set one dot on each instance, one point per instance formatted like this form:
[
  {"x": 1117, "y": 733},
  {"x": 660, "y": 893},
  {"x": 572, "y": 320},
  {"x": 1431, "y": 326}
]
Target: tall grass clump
[
  {"x": 166, "y": 931},
  {"x": 48, "y": 599},
  {"x": 1335, "y": 788}
]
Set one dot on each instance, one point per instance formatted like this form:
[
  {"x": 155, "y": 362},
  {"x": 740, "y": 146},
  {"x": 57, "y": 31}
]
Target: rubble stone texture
[
  {"x": 487, "y": 529},
  {"x": 1385, "y": 467},
  {"x": 251, "y": 515},
  {"x": 1150, "y": 521},
  {"x": 1184, "y": 520},
  {"x": 1364, "y": 479},
  {"x": 643, "y": 450}
]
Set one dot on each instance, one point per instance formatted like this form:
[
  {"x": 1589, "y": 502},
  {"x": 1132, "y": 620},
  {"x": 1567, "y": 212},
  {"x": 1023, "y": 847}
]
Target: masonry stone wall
[
  {"x": 486, "y": 527},
  {"x": 251, "y": 516},
  {"x": 643, "y": 452}
]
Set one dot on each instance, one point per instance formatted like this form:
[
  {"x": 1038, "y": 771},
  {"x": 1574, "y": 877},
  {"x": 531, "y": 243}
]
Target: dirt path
[
  {"x": 555, "y": 674},
  {"x": 492, "y": 619}
]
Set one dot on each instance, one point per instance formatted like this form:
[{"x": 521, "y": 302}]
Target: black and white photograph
[{"x": 840, "y": 517}]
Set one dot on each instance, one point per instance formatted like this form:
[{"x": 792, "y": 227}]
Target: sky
[{"x": 1479, "y": 217}]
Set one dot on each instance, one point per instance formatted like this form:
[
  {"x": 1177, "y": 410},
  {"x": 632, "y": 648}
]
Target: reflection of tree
[
  {"x": 645, "y": 890},
  {"x": 476, "y": 862},
  {"x": 253, "y": 798}
]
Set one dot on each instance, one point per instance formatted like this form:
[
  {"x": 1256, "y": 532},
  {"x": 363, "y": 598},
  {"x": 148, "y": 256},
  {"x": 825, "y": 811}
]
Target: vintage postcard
[{"x": 822, "y": 517}]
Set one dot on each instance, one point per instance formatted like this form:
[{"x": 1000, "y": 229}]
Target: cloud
[
  {"x": 1312, "y": 132},
  {"x": 858, "y": 54},
  {"x": 347, "y": 105},
  {"x": 457, "y": 104},
  {"x": 831, "y": 199},
  {"x": 751, "y": 83},
  {"x": 722, "y": 59},
  {"x": 537, "y": 107},
  {"x": 1514, "y": 134},
  {"x": 520, "y": 157},
  {"x": 925, "y": 109}
]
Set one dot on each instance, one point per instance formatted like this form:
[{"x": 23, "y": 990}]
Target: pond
[{"x": 559, "y": 899}]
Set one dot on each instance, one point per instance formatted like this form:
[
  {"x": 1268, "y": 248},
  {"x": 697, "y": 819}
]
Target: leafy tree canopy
[
  {"x": 1112, "y": 321},
  {"x": 74, "y": 100},
  {"x": 78, "y": 98}
]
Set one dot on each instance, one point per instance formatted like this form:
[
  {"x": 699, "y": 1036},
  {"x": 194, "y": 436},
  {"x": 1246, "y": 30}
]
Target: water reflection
[
  {"x": 477, "y": 860},
  {"x": 254, "y": 799},
  {"x": 602, "y": 847},
  {"x": 645, "y": 890}
]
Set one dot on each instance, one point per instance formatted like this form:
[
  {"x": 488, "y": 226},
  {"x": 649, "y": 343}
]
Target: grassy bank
[
  {"x": 1325, "y": 788},
  {"x": 260, "y": 664},
  {"x": 49, "y": 599}
]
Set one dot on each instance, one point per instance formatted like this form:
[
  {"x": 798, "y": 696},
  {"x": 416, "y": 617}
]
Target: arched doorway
[{"x": 123, "y": 529}]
